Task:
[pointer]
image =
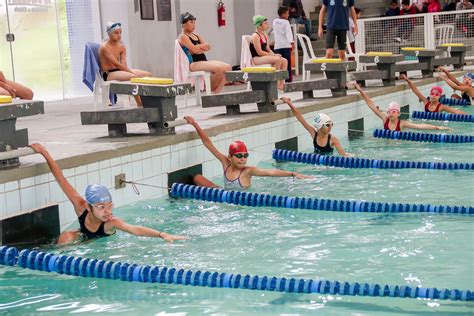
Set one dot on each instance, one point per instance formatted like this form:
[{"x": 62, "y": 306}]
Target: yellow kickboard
[
  {"x": 413, "y": 48},
  {"x": 453, "y": 44},
  {"x": 259, "y": 69},
  {"x": 326, "y": 60},
  {"x": 6, "y": 99},
  {"x": 152, "y": 80},
  {"x": 379, "y": 54}
]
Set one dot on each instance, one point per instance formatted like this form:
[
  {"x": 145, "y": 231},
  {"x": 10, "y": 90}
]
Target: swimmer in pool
[
  {"x": 95, "y": 211},
  {"x": 391, "y": 119},
  {"x": 431, "y": 105},
  {"x": 465, "y": 87},
  {"x": 320, "y": 133},
  {"x": 237, "y": 175}
]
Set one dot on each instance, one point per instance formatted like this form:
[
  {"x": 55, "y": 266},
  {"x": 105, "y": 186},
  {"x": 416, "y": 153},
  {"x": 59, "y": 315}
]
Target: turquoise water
[{"x": 403, "y": 249}]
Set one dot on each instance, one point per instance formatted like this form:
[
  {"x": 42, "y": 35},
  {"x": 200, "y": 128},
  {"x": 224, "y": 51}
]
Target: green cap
[{"x": 259, "y": 19}]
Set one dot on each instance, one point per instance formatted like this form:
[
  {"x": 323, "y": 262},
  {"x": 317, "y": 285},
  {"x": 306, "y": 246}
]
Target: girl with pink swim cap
[
  {"x": 391, "y": 119},
  {"x": 95, "y": 211},
  {"x": 237, "y": 175},
  {"x": 431, "y": 105}
]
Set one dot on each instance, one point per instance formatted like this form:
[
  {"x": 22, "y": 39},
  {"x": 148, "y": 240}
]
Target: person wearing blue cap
[
  {"x": 95, "y": 211},
  {"x": 113, "y": 58},
  {"x": 466, "y": 89}
]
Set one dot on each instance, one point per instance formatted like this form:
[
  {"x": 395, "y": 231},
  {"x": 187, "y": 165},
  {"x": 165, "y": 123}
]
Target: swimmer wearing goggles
[
  {"x": 237, "y": 175},
  {"x": 433, "y": 104},
  {"x": 391, "y": 120},
  {"x": 323, "y": 141}
]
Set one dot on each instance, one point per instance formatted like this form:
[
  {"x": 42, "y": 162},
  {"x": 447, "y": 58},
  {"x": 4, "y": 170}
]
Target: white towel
[
  {"x": 181, "y": 67},
  {"x": 246, "y": 56}
]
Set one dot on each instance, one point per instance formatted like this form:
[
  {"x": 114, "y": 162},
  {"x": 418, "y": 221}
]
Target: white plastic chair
[
  {"x": 308, "y": 54},
  {"x": 444, "y": 35},
  {"x": 195, "y": 76},
  {"x": 103, "y": 88}
]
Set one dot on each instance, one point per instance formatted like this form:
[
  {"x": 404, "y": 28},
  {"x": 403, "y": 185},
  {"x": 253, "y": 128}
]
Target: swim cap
[
  {"x": 320, "y": 120},
  {"x": 112, "y": 26},
  {"x": 237, "y": 147},
  {"x": 185, "y": 17},
  {"x": 437, "y": 88},
  {"x": 259, "y": 19},
  {"x": 97, "y": 193},
  {"x": 394, "y": 106},
  {"x": 469, "y": 75}
]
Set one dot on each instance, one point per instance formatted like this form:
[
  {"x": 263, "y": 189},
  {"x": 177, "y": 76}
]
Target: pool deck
[{"x": 73, "y": 144}]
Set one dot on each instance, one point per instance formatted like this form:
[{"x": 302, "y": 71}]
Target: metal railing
[{"x": 390, "y": 34}]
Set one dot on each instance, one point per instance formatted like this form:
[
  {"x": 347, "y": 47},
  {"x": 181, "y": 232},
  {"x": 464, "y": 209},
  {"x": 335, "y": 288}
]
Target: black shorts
[{"x": 331, "y": 38}]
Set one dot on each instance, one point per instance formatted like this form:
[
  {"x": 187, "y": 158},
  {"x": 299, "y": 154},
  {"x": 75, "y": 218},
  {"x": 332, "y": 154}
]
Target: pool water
[{"x": 403, "y": 249}]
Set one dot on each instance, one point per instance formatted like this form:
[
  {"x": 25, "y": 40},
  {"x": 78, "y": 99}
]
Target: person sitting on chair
[
  {"x": 194, "y": 46},
  {"x": 113, "y": 58},
  {"x": 14, "y": 89}
]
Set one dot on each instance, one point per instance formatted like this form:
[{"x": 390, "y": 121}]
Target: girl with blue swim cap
[
  {"x": 95, "y": 211},
  {"x": 465, "y": 87}
]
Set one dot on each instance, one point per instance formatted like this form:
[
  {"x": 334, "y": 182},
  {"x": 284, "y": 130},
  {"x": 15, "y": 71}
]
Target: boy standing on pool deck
[{"x": 95, "y": 211}]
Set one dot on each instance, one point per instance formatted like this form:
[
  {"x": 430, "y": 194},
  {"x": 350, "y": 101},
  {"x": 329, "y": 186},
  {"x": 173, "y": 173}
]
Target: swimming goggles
[{"x": 241, "y": 155}]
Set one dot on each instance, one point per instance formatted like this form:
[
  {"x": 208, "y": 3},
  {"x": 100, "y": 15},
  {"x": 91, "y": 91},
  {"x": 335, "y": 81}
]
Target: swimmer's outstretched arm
[
  {"x": 254, "y": 171},
  {"x": 340, "y": 150},
  {"x": 76, "y": 199},
  {"x": 449, "y": 75},
  {"x": 445, "y": 108},
  {"x": 311, "y": 130},
  {"x": 459, "y": 87},
  {"x": 406, "y": 124},
  {"x": 370, "y": 103},
  {"x": 414, "y": 88},
  {"x": 119, "y": 224},
  {"x": 207, "y": 141}
]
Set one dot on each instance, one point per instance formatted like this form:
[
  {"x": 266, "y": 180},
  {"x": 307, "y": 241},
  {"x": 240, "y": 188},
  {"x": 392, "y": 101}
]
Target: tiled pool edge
[{"x": 32, "y": 187}]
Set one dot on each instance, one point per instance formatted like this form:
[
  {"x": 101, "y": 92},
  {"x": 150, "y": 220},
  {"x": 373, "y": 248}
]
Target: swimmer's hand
[
  {"x": 40, "y": 149},
  {"x": 301, "y": 176},
  {"x": 441, "y": 69},
  {"x": 357, "y": 87},
  {"x": 403, "y": 77},
  {"x": 349, "y": 155},
  {"x": 170, "y": 238},
  {"x": 286, "y": 100},
  {"x": 190, "y": 120},
  {"x": 443, "y": 128}
]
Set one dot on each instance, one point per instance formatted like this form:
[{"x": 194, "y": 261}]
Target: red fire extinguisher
[{"x": 220, "y": 14}]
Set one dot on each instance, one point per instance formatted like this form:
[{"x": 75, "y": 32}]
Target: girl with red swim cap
[
  {"x": 431, "y": 105},
  {"x": 237, "y": 175},
  {"x": 391, "y": 119}
]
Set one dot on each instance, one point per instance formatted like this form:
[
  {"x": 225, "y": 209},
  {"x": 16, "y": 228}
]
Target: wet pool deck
[{"x": 73, "y": 144}]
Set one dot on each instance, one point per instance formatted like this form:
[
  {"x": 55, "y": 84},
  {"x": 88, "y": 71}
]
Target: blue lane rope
[
  {"x": 85, "y": 267},
  {"x": 423, "y": 137},
  {"x": 258, "y": 199},
  {"x": 353, "y": 162},
  {"x": 437, "y": 116},
  {"x": 453, "y": 102}
]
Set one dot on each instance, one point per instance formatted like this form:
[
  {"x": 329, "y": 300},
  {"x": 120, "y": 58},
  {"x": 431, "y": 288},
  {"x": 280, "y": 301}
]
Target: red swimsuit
[
  {"x": 427, "y": 108},
  {"x": 385, "y": 126}
]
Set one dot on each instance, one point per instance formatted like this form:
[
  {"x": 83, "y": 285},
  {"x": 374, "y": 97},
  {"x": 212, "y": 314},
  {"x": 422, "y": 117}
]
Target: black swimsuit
[
  {"x": 326, "y": 150},
  {"x": 88, "y": 234},
  {"x": 466, "y": 97},
  {"x": 197, "y": 57},
  {"x": 263, "y": 44},
  {"x": 105, "y": 74}
]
